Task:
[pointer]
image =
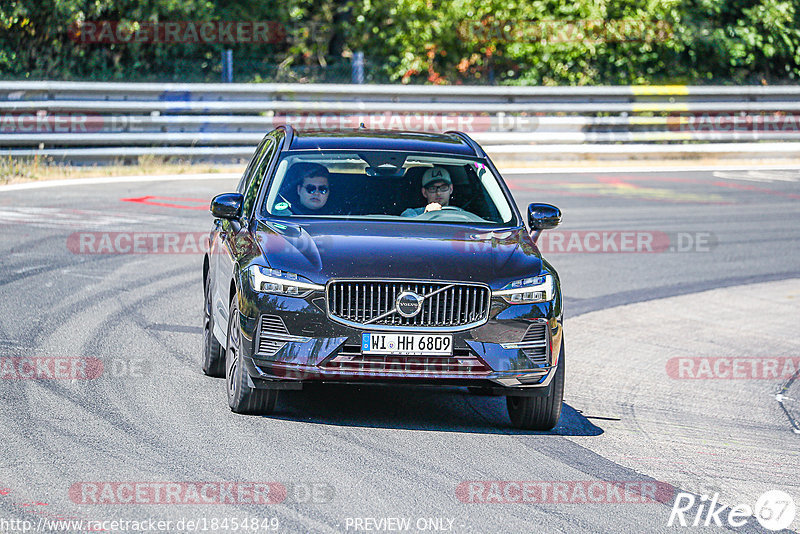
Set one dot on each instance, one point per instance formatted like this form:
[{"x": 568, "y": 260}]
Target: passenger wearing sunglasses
[
  {"x": 313, "y": 191},
  {"x": 437, "y": 187}
]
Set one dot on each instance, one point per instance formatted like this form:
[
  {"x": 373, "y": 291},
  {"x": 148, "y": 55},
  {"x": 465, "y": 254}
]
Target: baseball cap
[{"x": 436, "y": 174}]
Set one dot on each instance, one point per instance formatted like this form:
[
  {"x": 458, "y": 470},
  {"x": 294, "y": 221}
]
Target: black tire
[
  {"x": 241, "y": 397},
  {"x": 213, "y": 354},
  {"x": 539, "y": 413}
]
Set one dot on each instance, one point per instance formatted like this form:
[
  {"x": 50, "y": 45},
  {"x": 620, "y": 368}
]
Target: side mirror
[
  {"x": 227, "y": 206},
  {"x": 542, "y": 217}
]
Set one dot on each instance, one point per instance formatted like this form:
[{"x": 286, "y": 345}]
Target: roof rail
[
  {"x": 468, "y": 141},
  {"x": 289, "y": 135}
]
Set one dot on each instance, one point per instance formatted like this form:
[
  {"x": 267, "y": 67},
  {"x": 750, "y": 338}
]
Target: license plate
[{"x": 407, "y": 344}]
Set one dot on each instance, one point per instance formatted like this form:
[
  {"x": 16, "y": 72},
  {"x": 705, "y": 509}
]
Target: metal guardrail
[
  {"x": 88, "y": 121},
  {"x": 347, "y": 92}
]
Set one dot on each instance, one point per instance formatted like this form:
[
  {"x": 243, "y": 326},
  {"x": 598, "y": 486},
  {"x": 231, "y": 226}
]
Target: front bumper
[{"x": 315, "y": 348}]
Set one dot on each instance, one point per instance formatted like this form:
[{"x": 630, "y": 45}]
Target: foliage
[{"x": 531, "y": 42}]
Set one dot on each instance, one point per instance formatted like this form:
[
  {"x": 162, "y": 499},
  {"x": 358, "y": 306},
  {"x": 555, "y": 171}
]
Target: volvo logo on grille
[{"x": 409, "y": 304}]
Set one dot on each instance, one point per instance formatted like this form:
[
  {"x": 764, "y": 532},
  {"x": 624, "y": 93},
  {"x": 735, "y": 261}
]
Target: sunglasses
[{"x": 311, "y": 189}]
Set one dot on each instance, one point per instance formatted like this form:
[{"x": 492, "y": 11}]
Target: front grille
[
  {"x": 462, "y": 362},
  {"x": 371, "y": 303},
  {"x": 534, "y": 344}
]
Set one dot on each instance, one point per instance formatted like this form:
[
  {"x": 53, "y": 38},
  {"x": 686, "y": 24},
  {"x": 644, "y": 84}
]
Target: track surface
[{"x": 402, "y": 452}]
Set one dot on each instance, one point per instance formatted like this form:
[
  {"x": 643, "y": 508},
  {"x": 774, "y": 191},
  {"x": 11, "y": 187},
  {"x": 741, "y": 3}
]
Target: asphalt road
[{"x": 716, "y": 274}]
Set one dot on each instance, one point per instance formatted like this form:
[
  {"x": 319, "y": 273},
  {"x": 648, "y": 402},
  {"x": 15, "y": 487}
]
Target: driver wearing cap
[{"x": 436, "y": 188}]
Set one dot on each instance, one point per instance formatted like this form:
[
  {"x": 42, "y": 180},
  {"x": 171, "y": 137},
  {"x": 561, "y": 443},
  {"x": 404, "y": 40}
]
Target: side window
[
  {"x": 257, "y": 176},
  {"x": 242, "y": 187}
]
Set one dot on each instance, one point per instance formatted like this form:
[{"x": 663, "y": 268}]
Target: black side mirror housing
[
  {"x": 543, "y": 217},
  {"x": 227, "y": 206}
]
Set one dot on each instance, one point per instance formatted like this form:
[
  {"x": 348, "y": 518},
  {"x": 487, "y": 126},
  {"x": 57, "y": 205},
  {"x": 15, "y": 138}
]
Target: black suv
[{"x": 381, "y": 257}]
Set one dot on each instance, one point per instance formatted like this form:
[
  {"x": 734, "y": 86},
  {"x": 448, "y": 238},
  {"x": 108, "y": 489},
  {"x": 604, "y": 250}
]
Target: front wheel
[
  {"x": 241, "y": 397},
  {"x": 539, "y": 413},
  {"x": 213, "y": 355}
]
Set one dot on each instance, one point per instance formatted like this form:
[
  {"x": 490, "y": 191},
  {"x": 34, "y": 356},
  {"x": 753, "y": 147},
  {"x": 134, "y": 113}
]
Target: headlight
[
  {"x": 266, "y": 280},
  {"x": 529, "y": 290}
]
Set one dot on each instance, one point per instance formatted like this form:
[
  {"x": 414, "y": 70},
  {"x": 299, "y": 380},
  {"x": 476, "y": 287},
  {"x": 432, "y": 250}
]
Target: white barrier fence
[{"x": 88, "y": 121}]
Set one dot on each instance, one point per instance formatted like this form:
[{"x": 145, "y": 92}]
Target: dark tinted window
[
  {"x": 248, "y": 172},
  {"x": 386, "y": 185},
  {"x": 256, "y": 177}
]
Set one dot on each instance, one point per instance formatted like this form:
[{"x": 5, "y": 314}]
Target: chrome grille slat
[
  {"x": 427, "y": 304},
  {"x": 386, "y": 302},
  {"x": 452, "y": 309},
  {"x": 358, "y": 304},
  {"x": 372, "y": 303}
]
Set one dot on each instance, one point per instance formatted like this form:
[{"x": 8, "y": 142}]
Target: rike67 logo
[{"x": 774, "y": 510}]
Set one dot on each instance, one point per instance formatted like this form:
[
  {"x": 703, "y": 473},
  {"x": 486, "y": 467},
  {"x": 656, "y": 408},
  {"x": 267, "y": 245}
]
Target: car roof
[{"x": 455, "y": 143}]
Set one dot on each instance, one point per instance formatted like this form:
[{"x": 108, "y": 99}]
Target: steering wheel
[{"x": 452, "y": 213}]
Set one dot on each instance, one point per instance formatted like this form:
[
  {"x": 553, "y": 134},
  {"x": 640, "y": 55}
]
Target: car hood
[{"x": 321, "y": 250}]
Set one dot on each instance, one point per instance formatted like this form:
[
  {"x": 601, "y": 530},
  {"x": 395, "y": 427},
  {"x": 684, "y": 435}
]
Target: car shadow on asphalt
[{"x": 449, "y": 409}]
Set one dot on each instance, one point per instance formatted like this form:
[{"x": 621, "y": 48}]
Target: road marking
[
  {"x": 59, "y": 218},
  {"x": 656, "y": 167},
  {"x": 760, "y": 175},
  {"x": 29, "y": 269},
  {"x": 174, "y": 202},
  {"x": 121, "y": 179}
]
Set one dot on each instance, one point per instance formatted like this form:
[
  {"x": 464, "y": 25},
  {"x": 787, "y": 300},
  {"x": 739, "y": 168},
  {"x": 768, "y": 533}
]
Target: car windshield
[{"x": 388, "y": 185}]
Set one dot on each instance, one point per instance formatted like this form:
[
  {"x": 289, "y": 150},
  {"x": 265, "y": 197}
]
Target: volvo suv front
[{"x": 381, "y": 257}]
